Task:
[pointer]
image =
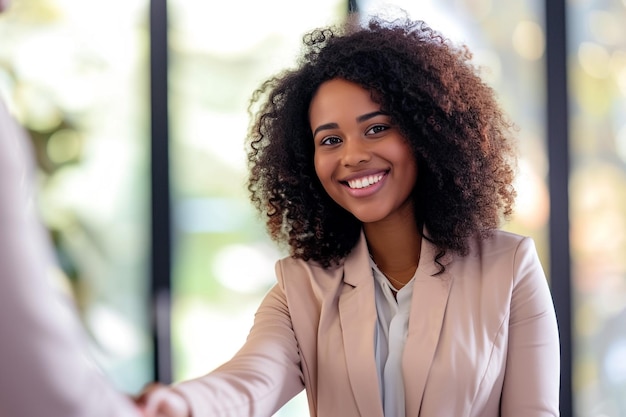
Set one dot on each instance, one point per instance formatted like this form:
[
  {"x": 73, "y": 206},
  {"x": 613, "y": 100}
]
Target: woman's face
[{"x": 361, "y": 159}]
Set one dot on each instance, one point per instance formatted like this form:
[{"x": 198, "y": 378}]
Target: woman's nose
[{"x": 354, "y": 152}]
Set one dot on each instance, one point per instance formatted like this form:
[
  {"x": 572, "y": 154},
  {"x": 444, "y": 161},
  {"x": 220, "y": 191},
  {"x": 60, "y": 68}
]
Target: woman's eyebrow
[
  {"x": 326, "y": 126},
  {"x": 370, "y": 115}
]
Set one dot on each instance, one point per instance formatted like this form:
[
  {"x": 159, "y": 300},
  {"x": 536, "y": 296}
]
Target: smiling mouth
[{"x": 359, "y": 183}]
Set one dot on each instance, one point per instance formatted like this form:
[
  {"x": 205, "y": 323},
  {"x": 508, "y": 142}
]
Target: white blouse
[{"x": 391, "y": 331}]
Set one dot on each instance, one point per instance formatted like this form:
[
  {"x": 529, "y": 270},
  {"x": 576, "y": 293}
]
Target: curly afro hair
[{"x": 451, "y": 118}]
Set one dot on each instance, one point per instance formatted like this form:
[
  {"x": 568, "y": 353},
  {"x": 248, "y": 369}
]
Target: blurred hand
[
  {"x": 4, "y": 4},
  {"x": 158, "y": 400}
]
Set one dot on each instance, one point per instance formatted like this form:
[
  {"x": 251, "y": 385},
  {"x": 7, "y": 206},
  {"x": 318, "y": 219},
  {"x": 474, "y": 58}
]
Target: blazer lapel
[
  {"x": 428, "y": 306},
  {"x": 357, "y": 312}
]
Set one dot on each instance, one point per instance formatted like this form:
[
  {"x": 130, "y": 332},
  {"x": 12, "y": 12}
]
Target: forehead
[{"x": 338, "y": 97}]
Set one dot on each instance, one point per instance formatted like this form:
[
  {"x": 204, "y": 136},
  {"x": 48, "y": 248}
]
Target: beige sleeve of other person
[{"x": 43, "y": 356}]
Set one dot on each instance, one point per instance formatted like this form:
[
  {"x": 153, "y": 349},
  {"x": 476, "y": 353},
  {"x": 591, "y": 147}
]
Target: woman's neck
[{"x": 395, "y": 248}]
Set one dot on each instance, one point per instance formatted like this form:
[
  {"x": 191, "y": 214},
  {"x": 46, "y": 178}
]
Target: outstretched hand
[{"x": 158, "y": 400}]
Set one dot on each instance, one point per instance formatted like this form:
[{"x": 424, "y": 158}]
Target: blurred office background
[{"x": 83, "y": 78}]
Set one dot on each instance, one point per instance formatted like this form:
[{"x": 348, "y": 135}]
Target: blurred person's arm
[{"x": 43, "y": 348}]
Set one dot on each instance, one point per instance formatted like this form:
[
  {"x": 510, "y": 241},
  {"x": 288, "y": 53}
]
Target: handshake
[{"x": 158, "y": 400}]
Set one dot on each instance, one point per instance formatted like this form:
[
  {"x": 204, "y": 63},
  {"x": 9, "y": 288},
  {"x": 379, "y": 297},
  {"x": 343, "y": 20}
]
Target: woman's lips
[
  {"x": 365, "y": 185},
  {"x": 365, "y": 181}
]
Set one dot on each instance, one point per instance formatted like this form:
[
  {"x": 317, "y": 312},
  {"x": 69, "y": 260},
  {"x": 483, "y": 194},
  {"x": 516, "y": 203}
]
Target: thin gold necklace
[{"x": 401, "y": 284}]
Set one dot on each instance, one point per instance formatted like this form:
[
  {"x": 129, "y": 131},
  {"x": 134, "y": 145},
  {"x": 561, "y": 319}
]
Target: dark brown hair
[{"x": 459, "y": 136}]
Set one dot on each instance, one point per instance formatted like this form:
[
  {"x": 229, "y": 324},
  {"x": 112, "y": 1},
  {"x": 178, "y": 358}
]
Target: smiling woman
[{"x": 384, "y": 164}]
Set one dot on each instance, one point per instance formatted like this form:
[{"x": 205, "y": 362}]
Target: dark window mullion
[
  {"x": 161, "y": 251},
  {"x": 557, "y": 123}
]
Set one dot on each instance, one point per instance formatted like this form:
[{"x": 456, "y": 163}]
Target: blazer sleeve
[
  {"x": 43, "y": 361},
  {"x": 531, "y": 382},
  {"x": 262, "y": 376}
]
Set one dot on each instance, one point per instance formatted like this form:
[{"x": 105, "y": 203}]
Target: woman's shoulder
[
  {"x": 293, "y": 271},
  {"x": 506, "y": 249},
  {"x": 295, "y": 263},
  {"x": 503, "y": 240},
  {"x": 353, "y": 269}
]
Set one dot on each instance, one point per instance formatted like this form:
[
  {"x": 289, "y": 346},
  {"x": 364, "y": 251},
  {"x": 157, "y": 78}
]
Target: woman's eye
[
  {"x": 376, "y": 129},
  {"x": 330, "y": 140}
]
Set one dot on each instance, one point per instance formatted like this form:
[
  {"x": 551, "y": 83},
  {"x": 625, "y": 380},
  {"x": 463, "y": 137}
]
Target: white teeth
[{"x": 365, "y": 181}]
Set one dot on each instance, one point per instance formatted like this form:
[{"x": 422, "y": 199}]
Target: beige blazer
[
  {"x": 482, "y": 340},
  {"x": 44, "y": 370}
]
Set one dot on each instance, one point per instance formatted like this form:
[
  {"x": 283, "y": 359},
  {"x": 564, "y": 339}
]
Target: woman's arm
[{"x": 257, "y": 381}]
